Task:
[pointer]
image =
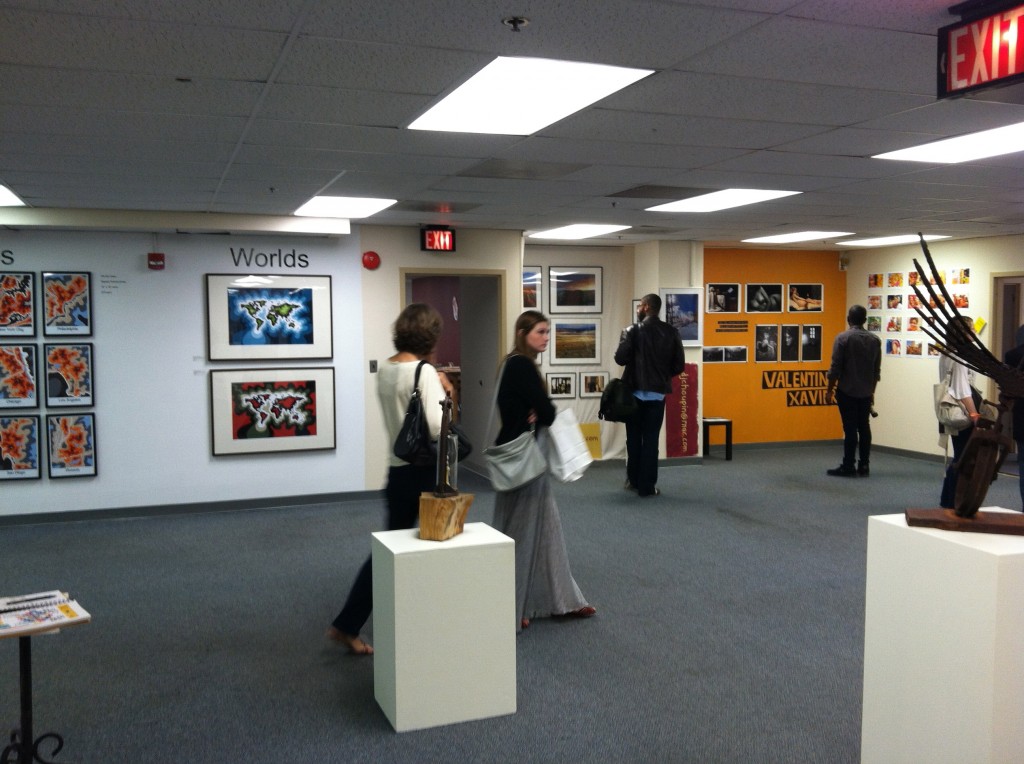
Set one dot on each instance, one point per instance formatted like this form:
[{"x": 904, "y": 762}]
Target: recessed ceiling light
[
  {"x": 8, "y": 199},
  {"x": 721, "y": 200},
  {"x": 577, "y": 231},
  {"x": 884, "y": 241},
  {"x": 789, "y": 238},
  {"x": 987, "y": 143},
  {"x": 343, "y": 207},
  {"x": 519, "y": 96}
]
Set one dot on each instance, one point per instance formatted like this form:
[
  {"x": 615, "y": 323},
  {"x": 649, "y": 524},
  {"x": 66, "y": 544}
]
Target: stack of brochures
[{"x": 38, "y": 613}]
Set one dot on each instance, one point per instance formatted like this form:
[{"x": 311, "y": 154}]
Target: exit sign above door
[
  {"x": 437, "y": 239},
  {"x": 982, "y": 52}
]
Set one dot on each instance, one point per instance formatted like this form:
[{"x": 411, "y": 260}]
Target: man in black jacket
[{"x": 652, "y": 353}]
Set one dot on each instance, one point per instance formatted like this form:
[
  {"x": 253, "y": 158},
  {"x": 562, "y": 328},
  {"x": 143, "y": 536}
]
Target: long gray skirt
[{"x": 544, "y": 583}]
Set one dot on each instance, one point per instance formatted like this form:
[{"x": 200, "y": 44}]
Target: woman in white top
[
  {"x": 416, "y": 332},
  {"x": 961, "y": 382}
]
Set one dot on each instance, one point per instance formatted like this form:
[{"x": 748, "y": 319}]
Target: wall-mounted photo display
[
  {"x": 894, "y": 324},
  {"x": 913, "y": 278},
  {"x": 735, "y": 354},
  {"x": 766, "y": 343},
  {"x": 533, "y": 277},
  {"x": 72, "y": 441},
  {"x": 875, "y": 281},
  {"x": 789, "y": 343},
  {"x": 562, "y": 385},
  {"x": 894, "y": 302},
  {"x": 894, "y": 347},
  {"x": 915, "y": 349},
  {"x": 272, "y": 410},
  {"x": 681, "y": 309},
  {"x": 19, "y": 448},
  {"x": 69, "y": 374},
  {"x": 764, "y": 298},
  {"x": 574, "y": 290},
  {"x": 592, "y": 383},
  {"x": 17, "y": 305},
  {"x": 67, "y": 304},
  {"x": 713, "y": 354},
  {"x": 723, "y": 298},
  {"x": 575, "y": 340},
  {"x": 913, "y": 323},
  {"x": 806, "y": 298},
  {"x": 894, "y": 280},
  {"x": 810, "y": 342},
  {"x": 960, "y": 276},
  {"x": 913, "y": 301},
  {"x": 18, "y": 377},
  {"x": 961, "y": 300},
  {"x": 267, "y": 317},
  {"x": 873, "y": 324},
  {"x": 634, "y": 307},
  {"x": 874, "y": 302}
]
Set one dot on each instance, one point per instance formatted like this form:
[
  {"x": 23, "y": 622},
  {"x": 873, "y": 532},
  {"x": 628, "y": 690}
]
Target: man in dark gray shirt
[{"x": 855, "y": 370}]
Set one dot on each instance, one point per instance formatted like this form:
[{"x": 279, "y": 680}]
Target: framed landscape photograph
[
  {"x": 723, "y": 298},
  {"x": 805, "y": 297},
  {"x": 19, "y": 388},
  {"x": 69, "y": 374},
  {"x": 575, "y": 341},
  {"x": 268, "y": 317},
  {"x": 272, "y": 410},
  {"x": 764, "y": 298},
  {"x": 562, "y": 385},
  {"x": 533, "y": 277},
  {"x": 574, "y": 290},
  {"x": 592, "y": 383},
  {"x": 72, "y": 440},
  {"x": 17, "y": 305},
  {"x": 67, "y": 304},
  {"x": 19, "y": 447},
  {"x": 681, "y": 309}
]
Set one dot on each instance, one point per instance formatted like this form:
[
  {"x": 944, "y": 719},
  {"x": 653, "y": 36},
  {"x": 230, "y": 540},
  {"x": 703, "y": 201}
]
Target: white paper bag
[{"x": 568, "y": 455}]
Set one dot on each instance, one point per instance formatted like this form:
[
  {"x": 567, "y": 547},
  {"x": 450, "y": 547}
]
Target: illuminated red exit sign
[
  {"x": 437, "y": 240},
  {"x": 984, "y": 52}
]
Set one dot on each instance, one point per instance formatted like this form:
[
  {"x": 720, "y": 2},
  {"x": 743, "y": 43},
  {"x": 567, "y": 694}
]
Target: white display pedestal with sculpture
[
  {"x": 943, "y": 664},
  {"x": 444, "y": 633}
]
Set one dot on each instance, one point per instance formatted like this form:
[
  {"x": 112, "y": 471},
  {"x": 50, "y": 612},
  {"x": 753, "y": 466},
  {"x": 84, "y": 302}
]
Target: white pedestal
[
  {"x": 943, "y": 664},
  {"x": 444, "y": 634}
]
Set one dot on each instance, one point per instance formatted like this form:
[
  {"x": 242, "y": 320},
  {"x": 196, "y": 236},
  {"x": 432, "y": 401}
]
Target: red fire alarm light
[
  {"x": 155, "y": 261},
  {"x": 371, "y": 260}
]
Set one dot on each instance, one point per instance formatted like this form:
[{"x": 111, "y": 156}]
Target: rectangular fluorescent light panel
[
  {"x": 8, "y": 199},
  {"x": 790, "y": 238},
  {"x": 519, "y": 96},
  {"x": 885, "y": 241},
  {"x": 343, "y": 207},
  {"x": 577, "y": 231},
  {"x": 721, "y": 200},
  {"x": 987, "y": 143}
]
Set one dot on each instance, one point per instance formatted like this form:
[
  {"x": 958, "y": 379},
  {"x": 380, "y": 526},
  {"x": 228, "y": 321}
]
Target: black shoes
[
  {"x": 863, "y": 470},
  {"x": 842, "y": 471}
]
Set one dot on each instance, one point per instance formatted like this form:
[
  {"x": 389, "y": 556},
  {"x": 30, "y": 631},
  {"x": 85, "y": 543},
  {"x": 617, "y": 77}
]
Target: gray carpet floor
[{"x": 730, "y": 626}]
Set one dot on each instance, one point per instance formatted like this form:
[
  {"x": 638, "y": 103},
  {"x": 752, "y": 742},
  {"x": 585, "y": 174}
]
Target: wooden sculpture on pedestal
[{"x": 443, "y": 511}]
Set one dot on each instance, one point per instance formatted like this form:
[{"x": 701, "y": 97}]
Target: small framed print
[
  {"x": 681, "y": 309},
  {"x": 810, "y": 342},
  {"x": 764, "y": 298},
  {"x": 574, "y": 290},
  {"x": 17, "y": 305},
  {"x": 592, "y": 383},
  {"x": 789, "y": 343},
  {"x": 67, "y": 304},
  {"x": 18, "y": 377},
  {"x": 19, "y": 447},
  {"x": 69, "y": 374},
  {"x": 562, "y": 385},
  {"x": 766, "y": 343},
  {"x": 723, "y": 298},
  {"x": 894, "y": 347},
  {"x": 533, "y": 277},
  {"x": 575, "y": 340},
  {"x": 734, "y": 354},
  {"x": 806, "y": 298},
  {"x": 72, "y": 440},
  {"x": 713, "y": 354}
]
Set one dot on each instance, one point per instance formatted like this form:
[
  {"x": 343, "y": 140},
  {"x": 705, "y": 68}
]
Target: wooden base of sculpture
[
  {"x": 1011, "y": 524},
  {"x": 442, "y": 517}
]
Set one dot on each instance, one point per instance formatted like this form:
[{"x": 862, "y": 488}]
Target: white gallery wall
[{"x": 152, "y": 376}]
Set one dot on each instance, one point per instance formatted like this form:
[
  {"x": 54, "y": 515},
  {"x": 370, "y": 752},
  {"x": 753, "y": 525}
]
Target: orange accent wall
[{"x": 789, "y": 409}]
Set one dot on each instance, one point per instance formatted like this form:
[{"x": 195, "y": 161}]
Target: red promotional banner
[{"x": 681, "y": 414}]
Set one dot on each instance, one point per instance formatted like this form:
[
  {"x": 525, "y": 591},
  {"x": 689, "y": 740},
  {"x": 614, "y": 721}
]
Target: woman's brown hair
[
  {"x": 417, "y": 330},
  {"x": 524, "y": 325}
]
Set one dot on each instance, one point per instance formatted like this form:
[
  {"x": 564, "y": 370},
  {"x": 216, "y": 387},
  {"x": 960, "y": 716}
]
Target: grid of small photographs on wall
[{"x": 892, "y": 309}]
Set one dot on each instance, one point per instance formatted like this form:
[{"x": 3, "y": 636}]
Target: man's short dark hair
[
  {"x": 653, "y": 302},
  {"x": 857, "y": 316}
]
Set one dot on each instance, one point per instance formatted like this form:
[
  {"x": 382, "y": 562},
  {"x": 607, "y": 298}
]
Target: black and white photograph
[
  {"x": 789, "y": 343},
  {"x": 735, "y": 354},
  {"x": 764, "y": 298},
  {"x": 723, "y": 298},
  {"x": 766, "y": 343},
  {"x": 810, "y": 342},
  {"x": 562, "y": 385}
]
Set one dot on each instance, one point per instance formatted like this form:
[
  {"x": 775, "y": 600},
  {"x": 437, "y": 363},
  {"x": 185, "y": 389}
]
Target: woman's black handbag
[{"x": 413, "y": 443}]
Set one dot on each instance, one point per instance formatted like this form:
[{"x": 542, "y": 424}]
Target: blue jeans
[{"x": 642, "y": 433}]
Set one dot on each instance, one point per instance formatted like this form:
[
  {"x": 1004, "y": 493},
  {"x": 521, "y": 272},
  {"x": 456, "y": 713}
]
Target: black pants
[
  {"x": 856, "y": 416},
  {"x": 642, "y": 433},
  {"x": 947, "y": 499},
  {"x": 405, "y": 484}
]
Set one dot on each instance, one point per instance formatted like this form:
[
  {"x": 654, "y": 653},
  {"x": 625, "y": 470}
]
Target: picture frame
[
  {"x": 67, "y": 303},
  {"x": 20, "y": 451},
  {"x": 533, "y": 280},
  {"x": 19, "y": 375},
  {"x": 681, "y": 309},
  {"x": 810, "y": 342},
  {"x": 593, "y": 383},
  {"x": 789, "y": 343},
  {"x": 763, "y": 298},
  {"x": 280, "y": 410},
  {"x": 268, "y": 317},
  {"x": 734, "y": 354},
  {"x": 561, "y": 385},
  {"x": 805, "y": 298},
  {"x": 766, "y": 343},
  {"x": 723, "y": 298},
  {"x": 573, "y": 289},
  {"x": 69, "y": 374},
  {"x": 713, "y": 354},
  {"x": 72, "y": 445},
  {"x": 18, "y": 300},
  {"x": 575, "y": 340}
]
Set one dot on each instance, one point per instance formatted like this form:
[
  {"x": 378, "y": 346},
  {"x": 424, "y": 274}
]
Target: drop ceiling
[{"x": 253, "y": 107}]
